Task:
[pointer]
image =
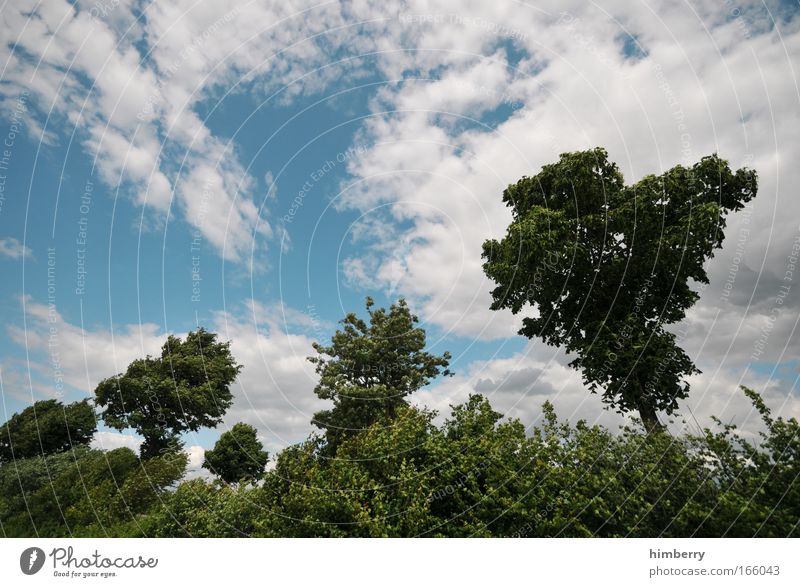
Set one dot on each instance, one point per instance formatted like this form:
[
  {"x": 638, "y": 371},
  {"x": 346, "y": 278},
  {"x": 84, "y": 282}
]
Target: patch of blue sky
[
  {"x": 786, "y": 373},
  {"x": 631, "y": 46}
]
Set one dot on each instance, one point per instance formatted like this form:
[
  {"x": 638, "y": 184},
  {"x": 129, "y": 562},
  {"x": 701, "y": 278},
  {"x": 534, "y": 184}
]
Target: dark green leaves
[
  {"x": 369, "y": 369},
  {"x": 607, "y": 266},
  {"x": 237, "y": 456},
  {"x": 186, "y": 388},
  {"x": 47, "y": 427}
]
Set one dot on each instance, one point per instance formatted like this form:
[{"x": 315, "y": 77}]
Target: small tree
[
  {"x": 608, "y": 266},
  {"x": 369, "y": 369},
  {"x": 238, "y": 455},
  {"x": 47, "y": 427},
  {"x": 186, "y": 388}
]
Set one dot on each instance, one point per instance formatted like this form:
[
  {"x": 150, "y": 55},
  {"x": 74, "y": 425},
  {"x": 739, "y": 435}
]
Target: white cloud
[
  {"x": 130, "y": 83},
  {"x": 78, "y": 357},
  {"x": 194, "y": 469},
  {"x": 707, "y": 84},
  {"x": 136, "y": 82},
  {"x": 274, "y": 392},
  {"x": 518, "y": 386},
  {"x": 105, "y": 440},
  {"x": 12, "y": 248}
]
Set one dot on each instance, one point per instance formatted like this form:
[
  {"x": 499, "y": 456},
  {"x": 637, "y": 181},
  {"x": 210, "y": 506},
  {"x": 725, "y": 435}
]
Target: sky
[{"x": 259, "y": 168}]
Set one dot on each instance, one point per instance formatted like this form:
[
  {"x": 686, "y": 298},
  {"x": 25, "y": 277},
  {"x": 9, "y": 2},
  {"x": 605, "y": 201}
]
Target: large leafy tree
[
  {"x": 186, "y": 388},
  {"x": 370, "y": 368},
  {"x": 238, "y": 455},
  {"x": 608, "y": 266},
  {"x": 47, "y": 427}
]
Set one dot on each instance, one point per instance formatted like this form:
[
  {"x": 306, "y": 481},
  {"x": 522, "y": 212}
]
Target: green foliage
[
  {"x": 186, "y": 388},
  {"x": 402, "y": 474},
  {"x": 83, "y": 492},
  {"x": 607, "y": 266},
  {"x": 374, "y": 487},
  {"x": 203, "y": 510},
  {"x": 238, "y": 455},
  {"x": 759, "y": 485},
  {"x": 477, "y": 474},
  {"x": 45, "y": 428},
  {"x": 369, "y": 369}
]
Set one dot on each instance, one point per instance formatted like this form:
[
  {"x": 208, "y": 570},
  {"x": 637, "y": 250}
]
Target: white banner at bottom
[{"x": 356, "y": 562}]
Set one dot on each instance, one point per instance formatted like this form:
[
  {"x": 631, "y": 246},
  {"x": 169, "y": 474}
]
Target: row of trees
[
  {"x": 187, "y": 387},
  {"x": 602, "y": 286},
  {"x": 477, "y": 474}
]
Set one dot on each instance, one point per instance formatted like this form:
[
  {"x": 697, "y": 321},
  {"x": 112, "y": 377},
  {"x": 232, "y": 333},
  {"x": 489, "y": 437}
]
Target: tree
[
  {"x": 83, "y": 492},
  {"x": 608, "y": 266},
  {"x": 238, "y": 455},
  {"x": 47, "y": 427},
  {"x": 198, "y": 509},
  {"x": 369, "y": 369},
  {"x": 186, "y": 388}
]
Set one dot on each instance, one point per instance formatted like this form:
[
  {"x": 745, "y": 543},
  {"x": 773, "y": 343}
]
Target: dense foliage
[
  {"x": 370, "y": 368},
  {"x": 477, "y": 474},
  {"x": 186, "y": 388},
  {"x": 238, "y": 455},
  {"x": 83, "y": 492},
  {"x": 608, "y": 266},
  {"x": 46, "y": 427}
]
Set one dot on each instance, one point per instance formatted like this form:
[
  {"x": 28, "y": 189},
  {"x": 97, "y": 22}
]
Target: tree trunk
[{"x": 650, "y": 419}]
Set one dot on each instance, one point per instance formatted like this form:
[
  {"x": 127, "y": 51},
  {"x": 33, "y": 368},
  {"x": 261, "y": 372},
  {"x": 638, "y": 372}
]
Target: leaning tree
[
  {"x": 47, "y": 427},
  {"x": 606, "y": 267},
  {"x": 186, "y": 388}
]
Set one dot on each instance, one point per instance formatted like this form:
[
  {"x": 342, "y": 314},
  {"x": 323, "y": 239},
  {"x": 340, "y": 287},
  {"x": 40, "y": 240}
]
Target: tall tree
[
  {"x": 370, "y": 368},
  {"x": 186, "y": 388},
  {"x": 608, "y": 266},
  {"x": 238, "y": 455},
  {"x": 47, "y": 427}
]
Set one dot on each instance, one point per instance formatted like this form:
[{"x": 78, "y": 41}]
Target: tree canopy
[
  {"x": 47, "y": 427},
  {"x": 370, "y": 368},
  {"x": 83, "y": 492},
  {"x": 606, "y": 267},
  {"x": 477, "y": 473},
  {"x": 186, "y": 388},
  {"x": 238, "y": 455}
]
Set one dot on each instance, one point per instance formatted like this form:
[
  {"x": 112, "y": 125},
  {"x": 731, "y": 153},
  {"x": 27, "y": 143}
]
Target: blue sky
[{"x": 298, "y": 159}]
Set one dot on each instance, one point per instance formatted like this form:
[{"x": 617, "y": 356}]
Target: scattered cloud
[
  {"x": 274, "y": 392},
  {"x": 129, "y": 79},
  {"x": 13, "y": 249},
  {"x": 105, "y": 440},
  {"x": 518, "y": 386},
  {"x": 66, "y": 356},
  {"x": 439, "y": 170},
  {"x": 476, "y": 95}
]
